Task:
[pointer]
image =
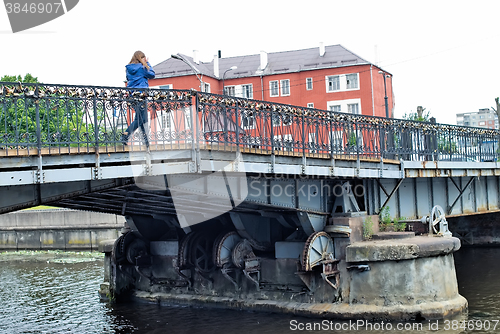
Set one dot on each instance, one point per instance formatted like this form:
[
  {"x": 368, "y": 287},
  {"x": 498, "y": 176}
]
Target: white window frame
[
  {"x": 247, "y": 91},
  {"x": 344, "y": 105},
  {"x": 275, "y": 89},
  {"x": 310, "y": 105},
  {"x": 350, "y": 107},
  {"x": 352, "y": 79},
  {"x": 250, "y": 121},
  {"x": 309, "y": 83},
  {"x": 343, "y": 84},
  {"x": 286, "y": 138},
  {"x": 166, "y": 120},
  {"x": 167, "y": 86},
  {"x": 330, "y": 89},
  {"x": 206, "y": 87},
  {"x": 312, "y": 141},
  {"x": 285, "y": 86},
  {"x": 231, "y": 89},
  {"x": 333, "y": 107}
]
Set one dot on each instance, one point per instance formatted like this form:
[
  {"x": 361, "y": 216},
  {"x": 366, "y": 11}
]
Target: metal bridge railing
[{"x": 67, "y": 119}]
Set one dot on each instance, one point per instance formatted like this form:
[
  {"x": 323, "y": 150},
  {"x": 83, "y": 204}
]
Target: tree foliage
[
  {"x": 28, "y": 78},
  {"x": 425, "y": 116},
  {"x": 60, "y": 120}
]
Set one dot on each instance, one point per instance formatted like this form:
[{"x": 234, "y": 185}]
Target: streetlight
[
  {"x": 232, "y": 68},
  {"x": 195, "y": 70},
  {"x": 385, "y": 90}
]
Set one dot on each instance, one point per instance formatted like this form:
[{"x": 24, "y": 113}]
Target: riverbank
[
  {"x": 57, "y": 229},
  {"x": 49, "y": 256}
]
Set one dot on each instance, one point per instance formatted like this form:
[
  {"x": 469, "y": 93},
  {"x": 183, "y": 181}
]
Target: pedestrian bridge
[{"x": 209, "y": 154}]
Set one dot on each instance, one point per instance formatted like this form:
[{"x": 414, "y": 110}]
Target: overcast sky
[{"x": 444, "y": 55}]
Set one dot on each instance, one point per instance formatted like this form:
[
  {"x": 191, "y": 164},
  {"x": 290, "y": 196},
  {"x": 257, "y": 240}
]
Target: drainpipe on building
[
  {"x": 262, "y": 87},
  {"x": 373, "y": 98}
]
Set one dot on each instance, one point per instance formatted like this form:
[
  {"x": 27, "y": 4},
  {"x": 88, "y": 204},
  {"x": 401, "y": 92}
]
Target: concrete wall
[{"x": 57, "y": 229}]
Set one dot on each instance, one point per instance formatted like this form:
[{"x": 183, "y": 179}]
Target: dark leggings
[{"x": 141, "y": 118}]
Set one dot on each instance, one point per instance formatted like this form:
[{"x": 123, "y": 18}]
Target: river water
[{"x": 40, "y": 295}]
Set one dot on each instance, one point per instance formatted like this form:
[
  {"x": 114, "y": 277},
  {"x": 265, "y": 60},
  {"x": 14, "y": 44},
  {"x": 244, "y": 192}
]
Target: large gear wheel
[
  {"x": 201, "y": 253},
  {"x": 223, "y": 247},
  {"x": 318, "y": 248},
  {"x": 183, "y": 258},
  {"x": 120, "y": 247},
  {"x": 437, "y": 217},
  {"x": 242, "y": 251}
]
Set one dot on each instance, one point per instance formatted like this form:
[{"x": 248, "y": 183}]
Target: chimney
[
  {"x": 321, "y": 49},
  {"x": 195, "y": 57},
  {"x": 216, "y": 66},
  {"x": 263, "y": 60}
]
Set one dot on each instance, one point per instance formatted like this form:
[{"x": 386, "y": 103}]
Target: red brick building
[{"x": 328, "y": 78}]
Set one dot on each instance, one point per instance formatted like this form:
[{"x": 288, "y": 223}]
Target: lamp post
[
  {"x": 385, "y": 92},
  {"x": 195, "y": 70},
  {"x": 224, "y": 75}
]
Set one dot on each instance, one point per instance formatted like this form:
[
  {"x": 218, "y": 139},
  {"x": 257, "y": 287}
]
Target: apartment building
[
  {"x": 484, "y": 118},
  {"x": 326, "y": 77}
]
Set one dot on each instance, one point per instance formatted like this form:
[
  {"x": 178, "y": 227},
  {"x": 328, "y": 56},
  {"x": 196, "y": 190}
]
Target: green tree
[
  {"x": 421, "y": 115},
  {"x": 60, "y": 119},
  {"x": 28, "y": 78}
]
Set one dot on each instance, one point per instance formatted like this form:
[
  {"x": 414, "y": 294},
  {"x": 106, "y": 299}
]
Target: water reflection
[{"x": 40, "y": 297}]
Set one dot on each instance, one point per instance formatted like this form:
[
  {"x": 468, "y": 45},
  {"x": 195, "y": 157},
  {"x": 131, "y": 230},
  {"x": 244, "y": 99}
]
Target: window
[
  {"x": 337, "y": 140},
  {"x": 169, "y": 86},
  {"x": 187, "y": 115},
  {"x": 230, "y": 90},
  {"x": 285, "y": 87},
  {"x": 352, "y": 81},
  {"x": 353, "y": 108},
  {"x": 342, "y": 82},
  {"x": 247, "y": 91},
  {"x": 206, "y": 87},
  {"x": 313, "y": 145},
  {"x": 335, "y": 108},
  {"x": 166, "y": 120},
  {"x": 283, "y": 143},
  {"x": 247, "y": 120},
  {"x": 276, "y": 119},
  {"x": 310, "y": 105},
  {"x": 309, "y": 83},
  {"x": 333, "y": 83},
  {"x": 274, "y": 88}
]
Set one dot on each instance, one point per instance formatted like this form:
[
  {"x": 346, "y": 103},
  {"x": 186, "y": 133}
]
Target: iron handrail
[{"x": 68, "y": 118}]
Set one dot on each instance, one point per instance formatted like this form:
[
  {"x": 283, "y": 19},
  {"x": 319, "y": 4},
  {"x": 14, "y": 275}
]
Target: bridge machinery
[
  {"x": 235, "y": 235},
  {"x": 239, "y": 198}
]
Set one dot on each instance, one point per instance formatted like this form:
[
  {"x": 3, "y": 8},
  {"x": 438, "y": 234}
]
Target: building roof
[{"x": 278, "y": 62}]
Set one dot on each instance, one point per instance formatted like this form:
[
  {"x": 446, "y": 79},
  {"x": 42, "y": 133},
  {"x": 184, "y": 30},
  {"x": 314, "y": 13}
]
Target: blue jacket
[{"x": 138, "y": 75}]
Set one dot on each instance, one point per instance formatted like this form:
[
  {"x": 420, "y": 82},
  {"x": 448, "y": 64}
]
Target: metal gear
[
  {"x": 136, "y": 249},
  {"x": 241, "y": 252},
  {"x": 201, "y": 253},
  {"x": 223, "y": 247},
  {"x": 437, "y": 216},
  {"x": 120, "y": 246},
  {"x": 318, "y": 248},
  {"x": 183, "y": 258}
]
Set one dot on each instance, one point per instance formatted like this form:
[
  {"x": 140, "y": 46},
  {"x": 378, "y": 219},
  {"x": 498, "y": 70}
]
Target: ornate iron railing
[{"x": 66, "y": 119}]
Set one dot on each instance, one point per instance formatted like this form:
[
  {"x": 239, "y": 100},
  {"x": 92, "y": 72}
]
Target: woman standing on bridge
[{"x": 138, "y": 72}]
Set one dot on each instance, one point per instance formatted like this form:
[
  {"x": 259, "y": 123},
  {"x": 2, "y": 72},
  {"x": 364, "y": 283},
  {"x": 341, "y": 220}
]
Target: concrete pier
[{"x": 395, "y": 276}]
